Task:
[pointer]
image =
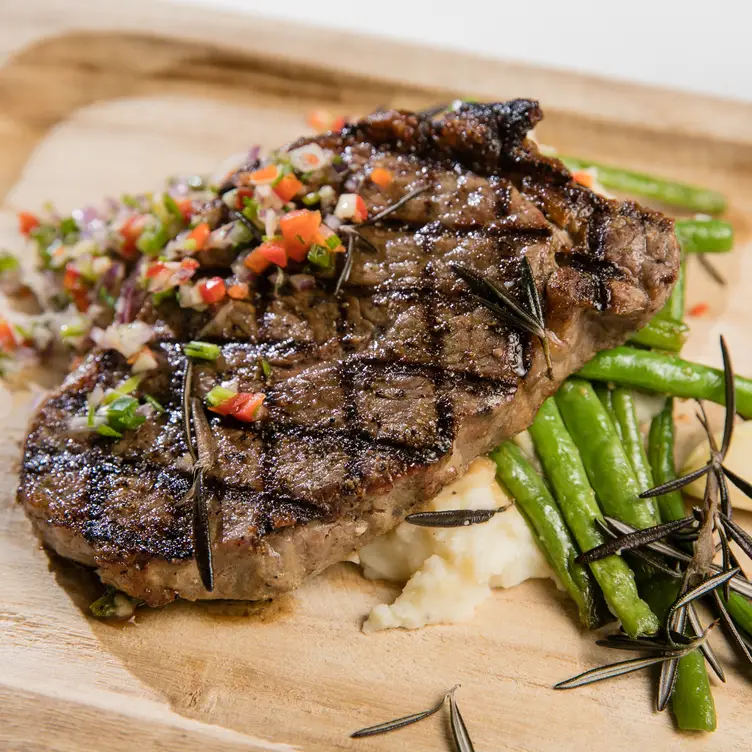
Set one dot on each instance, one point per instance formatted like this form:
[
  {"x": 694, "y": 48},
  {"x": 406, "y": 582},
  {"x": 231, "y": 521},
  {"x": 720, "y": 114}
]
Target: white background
[{"x": 697, "y": 46}]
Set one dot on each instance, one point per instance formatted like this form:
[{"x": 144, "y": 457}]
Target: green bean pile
[{"x": 595, "y": 460}]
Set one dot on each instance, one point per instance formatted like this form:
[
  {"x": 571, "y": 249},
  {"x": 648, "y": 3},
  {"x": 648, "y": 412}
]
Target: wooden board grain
[{"x": 101, "y": 106}]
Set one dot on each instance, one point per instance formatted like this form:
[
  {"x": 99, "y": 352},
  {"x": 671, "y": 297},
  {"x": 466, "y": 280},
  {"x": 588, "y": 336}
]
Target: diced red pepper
[
  {"x": 131, "y": 232},
  {"x": 199, "y": 235},
  {"x": 7, "y": 338},
  {"x": 186, "y": 207},
  {"x": 27, "y": 222},
  {"x": 242, "y": 194},
  {"x": 153, "y": 270},
  {"x": 361, "y": 210},
  {"x": 381, "y": 177},
  {"x": 75, "y": 286},
  {"x": 338, "y": 123},
  {"x": 274, "y": 251},
  {"x": 288, "y": 187},
  {"x": 256, "y": 261},
  {"x": 243, "y": 406},
  {"x": 189, "y": 264},
  {"x": 700, "y": 309},
  {"x": 238, "y": 291},
  {"x": 212, "y": 290},
  {"x": 583, "y": 178},
  {"x": 299, "y": 231},
  {"x": 265, "y": 175}
]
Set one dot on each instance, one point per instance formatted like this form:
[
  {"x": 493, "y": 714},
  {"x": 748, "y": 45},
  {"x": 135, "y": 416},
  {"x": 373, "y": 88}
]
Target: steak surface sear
[{"x": 378, "y": 396}]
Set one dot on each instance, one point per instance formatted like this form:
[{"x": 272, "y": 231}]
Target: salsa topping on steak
[{"x": 349, "y": 371}]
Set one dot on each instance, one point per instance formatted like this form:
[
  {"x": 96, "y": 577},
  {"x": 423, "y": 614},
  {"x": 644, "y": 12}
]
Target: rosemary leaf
[
  {"x": 398, "y": 723},
  {"x": 737, "y": 533},
  {"x": 740, "y": 483},
  {"x": 632, "y": 540},
  {"x": 707, "y": 650},
  {"x": 715, "y": 275},
  {"x": 396, "y": 205},
  {"x": 202, "y": 543},
  {"x": 706, "y": 586},
  {"x": 730, "y": 393},
  {"x": 347, "y": 268},
  {"x": 728, "y": 622},
  {"x": 611, "y": 671},
  {"x": 676, "y": 484},
  {"x": 459, "y": 729},
  {"x": 453, "y": 517},
  {"x": 667, "y": 678}
]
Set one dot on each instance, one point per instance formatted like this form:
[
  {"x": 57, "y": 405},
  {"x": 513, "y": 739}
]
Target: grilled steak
[{"x": 379, "y": 395}]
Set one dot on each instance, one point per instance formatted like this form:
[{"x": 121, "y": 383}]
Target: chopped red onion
[{"x": 302, "y": 282}]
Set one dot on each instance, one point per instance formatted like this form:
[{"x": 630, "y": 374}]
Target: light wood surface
[{"x": 97, "y": 100}]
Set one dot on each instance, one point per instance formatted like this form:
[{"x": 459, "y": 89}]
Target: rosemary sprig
[
  {"x": 453, "y": 517},
  {"x": 707, "y": 650},
  {"x": 353, "y": 234},
  {"x": 505, "y": 307}
]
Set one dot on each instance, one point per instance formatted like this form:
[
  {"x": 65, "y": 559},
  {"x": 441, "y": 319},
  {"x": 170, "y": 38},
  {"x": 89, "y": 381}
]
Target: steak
[{"x": 377, "y": 395}]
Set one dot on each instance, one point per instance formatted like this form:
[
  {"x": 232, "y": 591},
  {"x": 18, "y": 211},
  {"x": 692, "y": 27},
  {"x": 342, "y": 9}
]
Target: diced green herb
[
  {"x": 250, "y": 209},
  {"x": 337, "y": 159},
  {"x": 122, "y": 416},
  {"x": 68, "y": 331},
  {"x": 219, "y": 394},
  {"x": 202, "y": 350},
  {"x": 106, "y": 298},
  {"x": 123, "y": 390},
  {"x": 160, "y": 297},
  {"x": 284, "y": 169},
  {"x": 311, "y": 199},
  {"x": 90, "y": 416},
  {"x": 320, "y": 256},
  {"x": 68, "y": 227},
  {"x": 266, "y": 368},
  {"x": 333, "y": 241},
  {"x": 154, "y": 403},
  {"x": 130, "y": 201},
  {"x": 8, "y": 262},
  {"x": 153, "y": 240},
  {"x": 172, "y": 206},
  {"x": 105, "y": 430}
]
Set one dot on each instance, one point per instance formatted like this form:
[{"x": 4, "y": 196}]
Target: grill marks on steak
[{"x": 379, "y": 396}]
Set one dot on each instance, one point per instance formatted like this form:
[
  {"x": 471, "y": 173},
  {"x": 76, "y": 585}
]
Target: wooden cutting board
[{"x": 98, "y": 100}]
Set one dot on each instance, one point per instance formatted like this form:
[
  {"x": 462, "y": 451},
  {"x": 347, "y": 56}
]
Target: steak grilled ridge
[{"x": 379, "y": 395}]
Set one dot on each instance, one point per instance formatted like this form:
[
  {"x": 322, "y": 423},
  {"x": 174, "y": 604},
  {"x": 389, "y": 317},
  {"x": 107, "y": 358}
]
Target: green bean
[
  {"x": 661, "y": 456},
  {"x": 658, "y": 189},
  {"x": 565, "y": 472},
  {"x": 661, "y": 372},
  {"x": 631, "y": 437},
  {"x": 605, "y": 395},
  {"x": 692, "y": 699},
  {"x": 535, "y": 502},
  {"x": 704, "y": 235},
  {"x": 663, "y": 333},
  {"x": 740, "y": 610},
  {"x": 673, "y": 310},
  {"x": 603, "y": 455}
]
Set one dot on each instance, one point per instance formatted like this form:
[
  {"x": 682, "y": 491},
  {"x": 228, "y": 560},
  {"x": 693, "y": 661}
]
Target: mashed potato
[{"x": 449, "y": 571}]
